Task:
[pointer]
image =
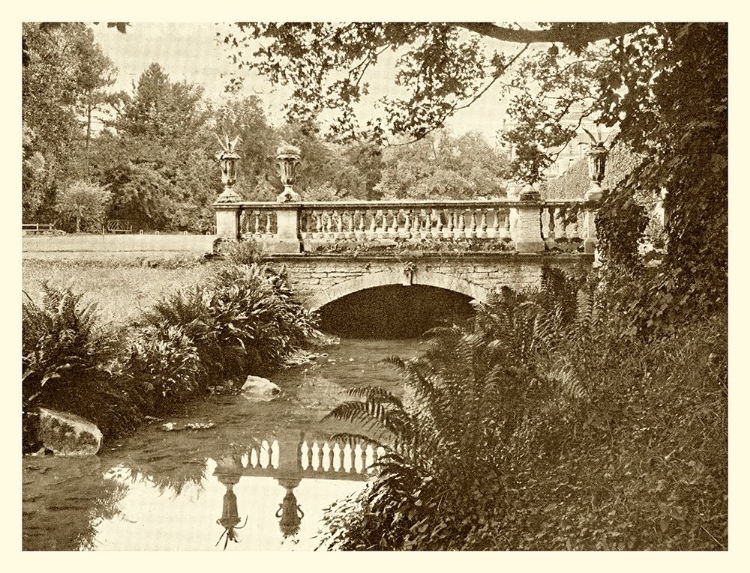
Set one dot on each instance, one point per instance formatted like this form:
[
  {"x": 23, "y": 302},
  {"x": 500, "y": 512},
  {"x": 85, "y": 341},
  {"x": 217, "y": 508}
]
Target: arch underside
[{"x": 374, "y": 280}]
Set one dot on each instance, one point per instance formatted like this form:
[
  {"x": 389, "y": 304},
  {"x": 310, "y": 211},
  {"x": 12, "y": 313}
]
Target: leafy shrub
[
  {"x": 67, "y": 364},
  {"x": 541, "y": 429},
  {"x": 245, "y": 252},
  {"x": 446, "y": 453},
  {"x": 245, "y": 321},
  {"x": 165, "y": 363}
]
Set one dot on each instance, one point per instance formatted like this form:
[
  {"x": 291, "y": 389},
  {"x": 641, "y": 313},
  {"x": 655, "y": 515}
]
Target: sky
[{"x": 189, "y": 51}]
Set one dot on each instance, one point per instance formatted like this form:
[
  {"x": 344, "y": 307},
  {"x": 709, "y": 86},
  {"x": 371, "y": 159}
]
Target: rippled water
[{"x": 165, "y": 490}]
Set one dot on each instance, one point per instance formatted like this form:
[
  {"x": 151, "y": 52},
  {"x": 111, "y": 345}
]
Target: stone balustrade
[{"x": 524, "y": 226}]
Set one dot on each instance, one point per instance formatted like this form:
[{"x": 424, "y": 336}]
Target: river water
[{"x": 178, "y": 489}]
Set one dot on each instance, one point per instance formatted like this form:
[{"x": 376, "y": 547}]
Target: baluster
[
  {"x": 371, "y": 233},
  {"x": 350, "y": 218},
  {"x": 256, "y": 222},
  {"x": 359, "y": 462},
  {"x": 329, "y": 225},
  {"x": 310, "y": 456},
  {"x": 472, "y": 225},
  {"x": 544, "y": 221},
  {"x": 361, "y": 227},
  {"x": 384, "y": 228},
  {"x": 275, "y": 452},
  {"x": 571, "y": 224},
  {"x": 317, "y": 224},
  {"x": 347, "y": 463},
  {"x": 253, "y": 461},
  {"x": 393, "y": 231},
  {"x": 369, "y": 455},
  {"x": 336, "y": 452},
  {"x": 304, "y": 224},
  {"x": 482, "y": 229},
  {"x": 265, "y": 454},
  {"x": 357, "y": 224},
  {"x": 329, "y": 458},
  {"x": 561, "y": 224},
  {"x": 243, "y": 223},
  {"x": 349, "y": 233},
  {"x": 405, "y": 232},
  {"x": 458, "y": 230},
  {"x": 317, "y": 457},
  {"x": 436, "y": 225},
  {"x": 338, "y": 220},
  {"x": 449, "y": 223},
  {"x": 422, "y": 224},
  {"x": 552, "y": 211},
  {"x": 494, "y": 231},
  {"x": 508, "y": 230}
]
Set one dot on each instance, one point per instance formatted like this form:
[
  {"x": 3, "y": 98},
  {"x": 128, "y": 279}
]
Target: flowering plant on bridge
[{"x": 417, "y": 247}]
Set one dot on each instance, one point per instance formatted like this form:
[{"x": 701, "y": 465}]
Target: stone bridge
[{"x": 332, "y": 250}]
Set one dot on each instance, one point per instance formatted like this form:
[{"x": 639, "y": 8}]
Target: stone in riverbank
[
  {"x": 67, "y": 434},
  {"x": 257, "y": 388}
]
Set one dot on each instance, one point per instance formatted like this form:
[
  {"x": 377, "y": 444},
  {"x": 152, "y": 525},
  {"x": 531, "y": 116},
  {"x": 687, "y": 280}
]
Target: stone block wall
[{"x": 322, "y": 279}]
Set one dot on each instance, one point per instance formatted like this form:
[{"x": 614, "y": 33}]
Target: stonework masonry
[{"x": 321, "y": 279}]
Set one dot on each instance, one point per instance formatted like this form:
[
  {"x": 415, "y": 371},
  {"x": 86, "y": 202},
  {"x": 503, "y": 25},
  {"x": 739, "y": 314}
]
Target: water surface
[{"x": 165, "y": 490}]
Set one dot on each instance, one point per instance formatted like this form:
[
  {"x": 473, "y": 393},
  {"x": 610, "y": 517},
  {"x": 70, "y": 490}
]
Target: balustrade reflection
[{"x": 289, "y": 459}]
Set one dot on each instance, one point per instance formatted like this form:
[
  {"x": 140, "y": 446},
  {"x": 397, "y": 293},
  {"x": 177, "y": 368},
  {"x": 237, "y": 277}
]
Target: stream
[{"x": 179, "y": 483}]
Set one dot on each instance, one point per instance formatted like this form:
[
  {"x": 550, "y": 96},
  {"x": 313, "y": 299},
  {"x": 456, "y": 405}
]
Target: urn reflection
[{"x": 289, "y": 512}]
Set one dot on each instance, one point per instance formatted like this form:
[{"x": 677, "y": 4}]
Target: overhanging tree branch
[{"x": 579, "y": 33}]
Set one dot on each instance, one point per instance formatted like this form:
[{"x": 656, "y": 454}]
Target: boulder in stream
[
  {"x": 67, "y": 434},
  {"x": 261, "y": 389}
]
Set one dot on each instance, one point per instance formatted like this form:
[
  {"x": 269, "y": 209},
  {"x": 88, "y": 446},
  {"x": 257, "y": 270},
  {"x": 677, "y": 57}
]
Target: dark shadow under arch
[{"x": 394, "y": 311}]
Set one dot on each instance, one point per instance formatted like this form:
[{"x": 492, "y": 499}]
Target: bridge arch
[{"x": 386, "y": 278}]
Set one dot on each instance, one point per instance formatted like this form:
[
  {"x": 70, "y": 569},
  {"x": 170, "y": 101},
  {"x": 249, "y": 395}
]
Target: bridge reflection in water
[{"x": 288, "y": 458}]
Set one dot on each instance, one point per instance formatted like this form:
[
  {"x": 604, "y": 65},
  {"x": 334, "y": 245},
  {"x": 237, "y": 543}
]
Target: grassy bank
[{"x": 122, "y": 288}]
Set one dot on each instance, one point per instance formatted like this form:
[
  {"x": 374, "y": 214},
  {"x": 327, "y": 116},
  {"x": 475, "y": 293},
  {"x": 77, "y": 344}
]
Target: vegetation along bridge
[{"x": 334, "y": 249}]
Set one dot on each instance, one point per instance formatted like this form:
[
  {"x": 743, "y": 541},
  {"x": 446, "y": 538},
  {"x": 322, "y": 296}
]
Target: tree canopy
[{"x": 663, "y": 86}]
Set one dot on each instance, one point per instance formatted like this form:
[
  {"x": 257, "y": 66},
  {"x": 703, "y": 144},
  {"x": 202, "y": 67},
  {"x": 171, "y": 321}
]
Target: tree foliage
[
  {"x": 444, "y": 166},
  {"x": 64, "y": 72},
  {"x": 440, "y": 68},
  {"x": 159, "y": 162}
]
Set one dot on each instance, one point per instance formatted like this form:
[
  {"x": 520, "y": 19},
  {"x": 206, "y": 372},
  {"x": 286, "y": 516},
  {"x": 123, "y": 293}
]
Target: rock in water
[
  {"x": 67, "y": 434},
  {"x": 257, "y": 388}
]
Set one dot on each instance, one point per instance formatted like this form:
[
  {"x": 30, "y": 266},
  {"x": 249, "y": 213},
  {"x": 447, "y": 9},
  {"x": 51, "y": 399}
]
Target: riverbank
[{"x": 115, "y": 342}]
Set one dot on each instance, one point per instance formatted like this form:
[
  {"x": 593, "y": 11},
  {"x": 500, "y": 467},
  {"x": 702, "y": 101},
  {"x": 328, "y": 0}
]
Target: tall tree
[
  {"x": 161, "y": 109},
  {"x": 159, "y": 163}
]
